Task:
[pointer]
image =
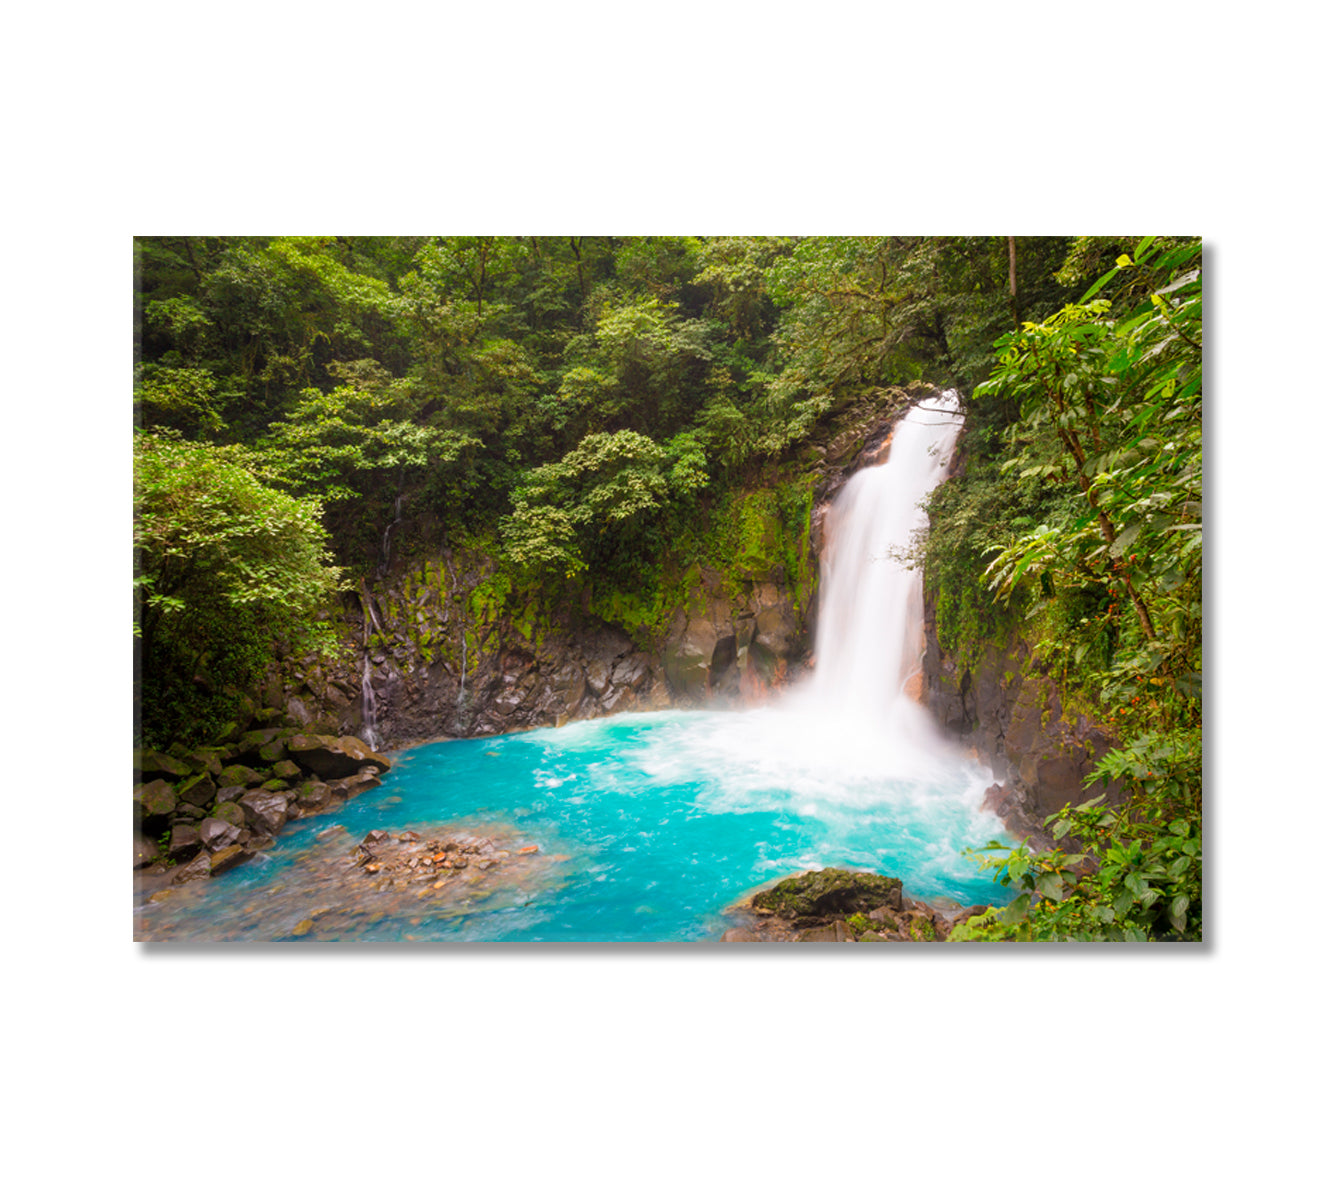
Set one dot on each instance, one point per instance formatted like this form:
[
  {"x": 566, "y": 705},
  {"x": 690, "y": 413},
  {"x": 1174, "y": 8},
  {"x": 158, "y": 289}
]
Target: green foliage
[
  {"x": 1109, "y": 400},
  {"x": 223, "y": 565},
  {"x": 182, "y": 398},
  {"x": 338, "y": 443},
  {"x": 600, "y": 502},
  {"x": 1113, "y": 401},
  {"x": 969, "y": 515},
  {"x": 1139, "y": 877}
]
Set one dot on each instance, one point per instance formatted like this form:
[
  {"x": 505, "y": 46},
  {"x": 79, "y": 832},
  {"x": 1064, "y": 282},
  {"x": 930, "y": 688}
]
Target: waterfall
[
  {"x": 382, "y": 564},
  {"x": 869, "y": 636},
  {"x": 370, "y": 733}
]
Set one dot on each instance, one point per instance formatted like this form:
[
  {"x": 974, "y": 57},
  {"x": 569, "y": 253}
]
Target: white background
[{"x": 732, "y": 1071}]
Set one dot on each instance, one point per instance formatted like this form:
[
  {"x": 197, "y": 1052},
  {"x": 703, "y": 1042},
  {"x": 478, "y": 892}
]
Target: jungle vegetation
[{"x": 589, "y": 407}]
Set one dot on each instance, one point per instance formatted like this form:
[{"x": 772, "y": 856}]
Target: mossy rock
[
  {"x": 333, "y": 757},
  {"x": 153, "y": 764},
  {"x": 275, "y": 751},
  {"x": 156, "y": 798},
  {"x": 198, "y": 790},
  {"x": 206, "y": 759},
  {"x": 238, "y": 775},
  {"x": 820, "y": 893},
  {"x": 252, "y": 744},
  {"x": 231, "y": 812},
  {"x": 286, "y": 769}
]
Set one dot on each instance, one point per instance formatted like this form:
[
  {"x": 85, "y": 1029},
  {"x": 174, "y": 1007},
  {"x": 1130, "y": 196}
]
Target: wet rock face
[
  {"x": 1011, "y": 715},
  {"x": 734, "y": 648},
  {"x": 450, "y": 659}
]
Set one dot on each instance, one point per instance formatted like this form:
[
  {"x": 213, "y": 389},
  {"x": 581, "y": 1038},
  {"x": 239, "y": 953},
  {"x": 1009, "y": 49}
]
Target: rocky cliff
[
  {"x": 1006, "y": 709},
  {"x": 444, "y": 648}
]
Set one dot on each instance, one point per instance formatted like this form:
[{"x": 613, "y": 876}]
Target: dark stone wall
[{"x": 1008, "y": 711}]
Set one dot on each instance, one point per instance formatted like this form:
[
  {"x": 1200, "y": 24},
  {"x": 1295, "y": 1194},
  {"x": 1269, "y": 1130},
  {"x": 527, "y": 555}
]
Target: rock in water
[
  {"x": 229, "y": 857},
  {"x": 819, "y": 893},
  {"x": 198, "y": 867}
]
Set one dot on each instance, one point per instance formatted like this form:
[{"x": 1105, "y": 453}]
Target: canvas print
[{"x": 668, "y": 589}]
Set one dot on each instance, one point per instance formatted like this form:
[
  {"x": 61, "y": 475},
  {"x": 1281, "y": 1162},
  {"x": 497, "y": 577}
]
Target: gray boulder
[
  {"x": 217, "y": 834},
  {"x": 266, "y": 811}
]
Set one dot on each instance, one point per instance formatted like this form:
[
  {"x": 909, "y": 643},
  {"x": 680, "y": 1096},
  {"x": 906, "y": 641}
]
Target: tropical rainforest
[{"x": 596, "y": 411}]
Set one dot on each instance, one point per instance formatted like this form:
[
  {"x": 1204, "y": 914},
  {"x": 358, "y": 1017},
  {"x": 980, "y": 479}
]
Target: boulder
[
  {"x": 334, "y": 757},
  {"x": 145, "y": 850},
  {"x": 822, "y": 933},
  {"x": 238, "y": 775},
  {"x": 206, "y": 759},
  {"x": 251, "y": 741},
  {"x": 312, "y": 794},
  {"x": 262, "y": 747},
  {"x": 217, "y": 834},
  {"x": 197, "y": 790},
  {"x": 185, "y": 841},
  {"x": 363, "y": 781},
  {"x": 229, "y": 857},
  {"x": 230, "y": 811},
  {"x": 599, "y": 672},
  {"x": 820, "y": 893},
  {"x": 688, "y": 657},
  {"x": 156, "y": 798},
  {"x": 265, "y": 811},
  {"x": 197, "y": 868},
  {"x": 285, "y": 769}
]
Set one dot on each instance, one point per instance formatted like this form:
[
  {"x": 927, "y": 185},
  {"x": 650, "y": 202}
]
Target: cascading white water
[{"x": 869, "y": 636}]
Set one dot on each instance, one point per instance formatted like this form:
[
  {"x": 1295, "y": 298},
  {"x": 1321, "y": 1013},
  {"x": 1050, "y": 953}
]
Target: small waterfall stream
[{"x": 370, "y": 723}]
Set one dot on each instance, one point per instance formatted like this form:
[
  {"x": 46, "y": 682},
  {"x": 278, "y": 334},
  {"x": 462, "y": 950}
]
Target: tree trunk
[{"x": 1014, "y": 283}]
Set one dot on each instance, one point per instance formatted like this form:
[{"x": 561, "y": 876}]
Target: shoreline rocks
[
  {"x": 211, "y": 820},
  {"x": 837, "y": 905}
]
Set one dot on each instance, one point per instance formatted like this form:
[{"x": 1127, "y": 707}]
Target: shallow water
[{"x": 647, "y": 827}]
